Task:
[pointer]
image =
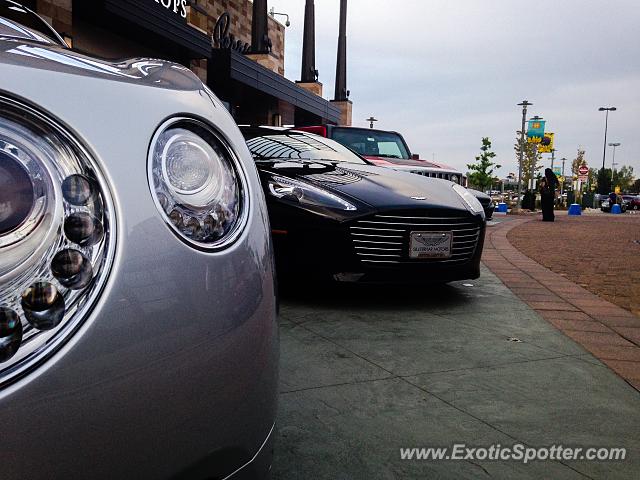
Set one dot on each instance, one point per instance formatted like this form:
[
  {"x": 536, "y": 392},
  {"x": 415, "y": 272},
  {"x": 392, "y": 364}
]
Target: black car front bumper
[{"x": 375, "y": 248}]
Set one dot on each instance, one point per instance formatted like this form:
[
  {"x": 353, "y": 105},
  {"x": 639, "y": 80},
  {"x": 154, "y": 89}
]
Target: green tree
[
  {"x": 635, "y": 188},
  {"x": 604, "y": 181},
  {"x": 578, "y": 162},
  {"x": 481, "y": 172},
  {"x": 623, "y": 178},
  {"x": 530, "y": 160}
]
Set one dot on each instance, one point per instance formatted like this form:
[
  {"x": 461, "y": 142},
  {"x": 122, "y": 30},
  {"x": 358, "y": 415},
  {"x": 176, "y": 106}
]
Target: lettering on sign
[
  {"x": 179, "y": 7},
  {"x": 223, "y": 39}
]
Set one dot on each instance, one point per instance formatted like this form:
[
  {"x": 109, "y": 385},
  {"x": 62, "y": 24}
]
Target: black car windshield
[
  {"x": 299, "y": 145},
  {"x": 372, "y": 143},
  {"x": 35, "y": 28}
]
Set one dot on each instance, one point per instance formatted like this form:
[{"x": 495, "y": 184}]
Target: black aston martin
[{"x": 333, "y": 213}]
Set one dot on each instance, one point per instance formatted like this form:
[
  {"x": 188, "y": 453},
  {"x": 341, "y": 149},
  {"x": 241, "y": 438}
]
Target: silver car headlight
[
  {"x": 472, "y": 203},
  {"x": 56, "y": 236},
  {"x": 197, "y": 183},
  {"x": 306, "y": 194}
]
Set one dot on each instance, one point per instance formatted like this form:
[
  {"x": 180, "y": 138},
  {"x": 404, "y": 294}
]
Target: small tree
[
  {"x": 604, "y": 181},
  {"x": 578, "y": 162},
  {"x": 481, "y": 172},
  {"x": 530, "y": 160},
  {"x": 623, "y": 178}
]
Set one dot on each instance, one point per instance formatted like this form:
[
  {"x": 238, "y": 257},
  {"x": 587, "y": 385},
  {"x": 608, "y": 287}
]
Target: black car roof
[{"x": 24, "y": 23}]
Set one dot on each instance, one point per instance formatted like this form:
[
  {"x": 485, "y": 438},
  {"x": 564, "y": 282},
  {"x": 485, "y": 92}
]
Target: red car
[{"x": 633, "y": 201}]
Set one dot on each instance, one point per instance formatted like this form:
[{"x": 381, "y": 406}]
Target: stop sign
[{"x": 583, "y": 170}]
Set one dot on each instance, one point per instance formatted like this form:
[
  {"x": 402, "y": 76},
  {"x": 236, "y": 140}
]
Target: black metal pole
[
  {"x": 309, "y": 73},
  {"x": 604, "y": 149},
  {"x": 341, "y": 64},
  {"x": 260, "y": 42}
]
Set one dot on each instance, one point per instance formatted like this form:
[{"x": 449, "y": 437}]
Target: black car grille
[{"x": 384, "y": 238}]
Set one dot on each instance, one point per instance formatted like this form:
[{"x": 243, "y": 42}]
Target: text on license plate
[{"x": 430, "y": 245}]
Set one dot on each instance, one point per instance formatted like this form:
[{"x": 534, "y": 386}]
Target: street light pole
[
  {"x": 562, "y": 183},
  {"x": 613, "y": 163},
  {"x": 604, "y": 148},
  {"x": 553, "y": 157},
  {"x": 524, "y": 104}
]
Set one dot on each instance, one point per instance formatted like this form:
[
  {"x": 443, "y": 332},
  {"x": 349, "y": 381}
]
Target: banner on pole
[
  {"x": 535, "y": 131},
  {"x": 546, "y": 145}
]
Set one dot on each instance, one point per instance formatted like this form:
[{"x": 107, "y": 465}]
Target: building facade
[{"x": 211, "y": 37}]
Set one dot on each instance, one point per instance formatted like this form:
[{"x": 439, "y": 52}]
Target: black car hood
[{"x": 377, "y": 187}]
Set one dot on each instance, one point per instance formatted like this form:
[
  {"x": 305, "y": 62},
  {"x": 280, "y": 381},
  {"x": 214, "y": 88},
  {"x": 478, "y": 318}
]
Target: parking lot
[{"x": 368, "y": 371}]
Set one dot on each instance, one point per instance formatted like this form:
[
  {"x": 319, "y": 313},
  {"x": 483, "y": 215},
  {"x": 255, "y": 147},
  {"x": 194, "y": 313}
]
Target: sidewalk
[{"x": 609, "y": 332}]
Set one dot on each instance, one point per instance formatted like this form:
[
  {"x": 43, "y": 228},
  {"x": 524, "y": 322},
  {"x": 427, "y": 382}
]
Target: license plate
[{"x": 430, "y": 245}]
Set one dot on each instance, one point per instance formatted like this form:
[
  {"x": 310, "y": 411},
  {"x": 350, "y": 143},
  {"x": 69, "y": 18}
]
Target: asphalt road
[{"x": 367, "y": 371}]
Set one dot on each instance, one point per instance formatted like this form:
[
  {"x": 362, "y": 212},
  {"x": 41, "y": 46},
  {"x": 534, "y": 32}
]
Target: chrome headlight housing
[
  {"x": 306, "y": 194},
  {"x": 57, "y": 236},
  {"x": 472, "y": 203},
  {"x": 197, "y": 183}
]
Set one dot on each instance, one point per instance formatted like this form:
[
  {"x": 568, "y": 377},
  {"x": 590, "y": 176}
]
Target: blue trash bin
[
  {"x": 502, "y": 207},
  {"x": 616, "y": 209},
  {"x": 575, "y": 209}
]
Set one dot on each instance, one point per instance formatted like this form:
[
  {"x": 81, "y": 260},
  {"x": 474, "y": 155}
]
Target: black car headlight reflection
[
  {"x": 197, "y": 183},
  {"x": 306, "y": 194},
  {"x": 56, "y": 236},
  {"x": 472, "y": 203}
]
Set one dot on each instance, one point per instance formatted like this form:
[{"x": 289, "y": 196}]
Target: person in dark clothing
[{"x": 548, "y": 186}]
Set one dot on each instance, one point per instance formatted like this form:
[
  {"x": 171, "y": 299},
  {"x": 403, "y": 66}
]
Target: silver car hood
[{"x": 141, "y": 71}]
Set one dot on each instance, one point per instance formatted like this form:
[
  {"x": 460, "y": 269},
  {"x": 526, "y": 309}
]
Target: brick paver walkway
[
  {"x": 609, "y": 332},
  {"x": 600, "y": 253}
]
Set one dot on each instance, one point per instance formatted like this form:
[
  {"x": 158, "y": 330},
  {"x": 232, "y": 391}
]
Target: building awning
[
  {"x": 164, "y": 22},
  {"x": 228, "y": 65}
]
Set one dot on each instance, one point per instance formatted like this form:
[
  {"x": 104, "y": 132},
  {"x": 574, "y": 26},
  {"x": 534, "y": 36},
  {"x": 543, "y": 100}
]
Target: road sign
[
  {"x": 583, "y": 178},
  {"x": 557, "y": 171},
  {"x": 583, "y": 170}
]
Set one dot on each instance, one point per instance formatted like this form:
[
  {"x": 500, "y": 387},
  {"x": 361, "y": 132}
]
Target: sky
[{"x": 447, "y": 73}]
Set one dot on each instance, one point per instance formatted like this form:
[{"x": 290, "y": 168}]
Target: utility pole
[
  {"x": 524, "y": 104},
  {"x": 553, "y": 157},
  {"x": 562, "y": 183}
]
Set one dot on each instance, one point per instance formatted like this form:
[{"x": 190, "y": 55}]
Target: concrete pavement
[{"x": 367, "y": 371}]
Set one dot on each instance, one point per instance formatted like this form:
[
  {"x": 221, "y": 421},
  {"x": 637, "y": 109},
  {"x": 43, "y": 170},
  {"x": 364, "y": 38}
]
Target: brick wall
[{"x": 57, "y": 13}]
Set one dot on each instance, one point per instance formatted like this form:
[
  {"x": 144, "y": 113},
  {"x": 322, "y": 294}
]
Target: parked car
[
  {"x": 486, "y": 201},
  {"x": 386, "y": 148},
  {"x": 138, "y": 334},
  {"x": 389, "y": 149},
  {"x": 334, "y": 213},
  {"x": 605, "y": 206},
  {"x": 633, "y": 201}
]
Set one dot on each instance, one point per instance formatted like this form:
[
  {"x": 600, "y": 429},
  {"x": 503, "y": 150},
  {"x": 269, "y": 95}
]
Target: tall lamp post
[
  {"x": 604, "y": 148},
  {"x": 613, "y": 163},
  {"x": 524, "y": 104}
]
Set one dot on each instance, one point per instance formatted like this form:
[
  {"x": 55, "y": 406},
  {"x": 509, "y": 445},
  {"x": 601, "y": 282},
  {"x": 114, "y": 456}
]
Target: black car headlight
[
  {"x": 306, "y": 194},
  {"x": 472, "y": 203},
  {"x": 56, "y": 236},
  {"x": 197, "y": 183}
]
